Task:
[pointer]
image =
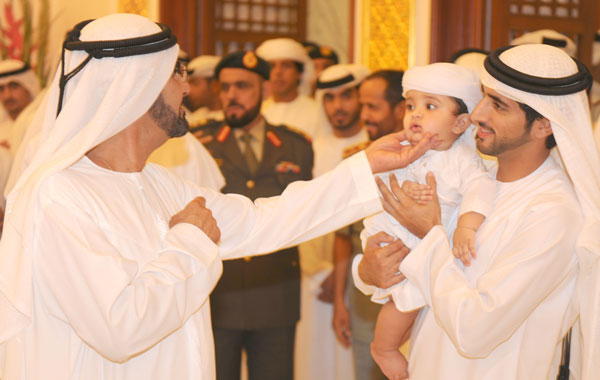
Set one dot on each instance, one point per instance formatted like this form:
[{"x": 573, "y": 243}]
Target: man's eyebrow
[{"x": 498, "y": 100}]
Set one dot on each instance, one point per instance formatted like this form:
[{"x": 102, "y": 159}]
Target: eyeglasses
[{"x": 180, "y": 73}]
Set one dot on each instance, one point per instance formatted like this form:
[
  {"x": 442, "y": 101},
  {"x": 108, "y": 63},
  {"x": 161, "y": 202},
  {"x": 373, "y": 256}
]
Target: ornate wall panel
[
  {"x": 244, "y": 24},
  {"x": 386, "y": 34},
  {"x": 139, "y": 7}
]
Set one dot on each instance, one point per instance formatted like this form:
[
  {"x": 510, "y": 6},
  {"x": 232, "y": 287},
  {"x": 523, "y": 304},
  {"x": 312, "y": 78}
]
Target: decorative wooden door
[
  {"x": 574, "y": 18},
  {"x": 222, "y": 26}
]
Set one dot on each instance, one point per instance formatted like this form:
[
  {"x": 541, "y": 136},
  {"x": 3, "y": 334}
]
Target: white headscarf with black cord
[
  {"x": 552, "y": 83},
  {"x": 336, "y": 77},
  {"x": 12, "y": 70},
  {"x": 129, "y": 66},
  {"x": 287, "y": 48}
]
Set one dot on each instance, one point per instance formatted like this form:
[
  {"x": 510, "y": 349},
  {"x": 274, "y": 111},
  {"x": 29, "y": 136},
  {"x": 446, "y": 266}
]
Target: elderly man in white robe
[
  {"x": 106, "y": 263},
  {"x": 504, "y": 317},
  {"x": 292, "y": 72},
  {"x": 318, "y": 354}
]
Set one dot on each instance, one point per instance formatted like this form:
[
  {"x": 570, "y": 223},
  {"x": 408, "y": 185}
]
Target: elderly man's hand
[
  {"x": 197, "y": 214},
  {"x": 415, "y": 217},
  {"x": 387, "y": 153},
  {"x": 380, "y": 265}
]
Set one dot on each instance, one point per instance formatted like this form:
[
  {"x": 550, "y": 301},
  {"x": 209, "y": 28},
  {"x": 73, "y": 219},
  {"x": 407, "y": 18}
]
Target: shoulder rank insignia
[
  {"x": 299, "y": 132},
  {"x": 223, "y": 133},
  {"x": 355, "y": 149},
  {"x": 287, "y": 167},
  {"x": 272, "y": 137}
]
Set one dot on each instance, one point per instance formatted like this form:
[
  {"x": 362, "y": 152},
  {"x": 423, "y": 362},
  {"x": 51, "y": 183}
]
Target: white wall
[
  {"x": 329, "y": 24},
  {"x": 64, "y": 14}
]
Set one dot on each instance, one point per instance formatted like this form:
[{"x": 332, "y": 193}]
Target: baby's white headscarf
[
  {"x": 569, "y": 116},
  {"x": 446, "y": 79},
  {"x": 287, "y": 48},
  {"x": 105, "y": 97}
]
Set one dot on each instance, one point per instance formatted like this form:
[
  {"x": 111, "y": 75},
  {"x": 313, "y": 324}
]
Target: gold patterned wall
[
  {"x": 386, "y": 33},
  {"x": 139, "y": 7}
]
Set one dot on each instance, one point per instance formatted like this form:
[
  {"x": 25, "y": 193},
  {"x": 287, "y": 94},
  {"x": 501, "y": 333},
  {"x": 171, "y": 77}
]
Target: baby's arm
[{"x": 463, "y": 245}]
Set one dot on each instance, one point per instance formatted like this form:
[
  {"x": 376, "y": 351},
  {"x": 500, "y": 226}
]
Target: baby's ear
[{"x": 461, "y": 123}]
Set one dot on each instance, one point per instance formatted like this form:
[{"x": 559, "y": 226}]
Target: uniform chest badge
[{"x": 287, "y": 167}]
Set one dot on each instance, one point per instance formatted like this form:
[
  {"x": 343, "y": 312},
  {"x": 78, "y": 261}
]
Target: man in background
[
  {"x": 318, "y": 354},
  {"x": 203, "y": 99},
  {"x": 291, "y": 74},
  {"x": 382, "y": 103}
]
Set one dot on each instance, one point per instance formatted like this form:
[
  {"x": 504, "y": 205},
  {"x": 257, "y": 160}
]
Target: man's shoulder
[
  {"x": 548, "y": 188},
  {"x": 286, "y": 132},
  {"x": 207, "y": 126},
  {"x": 353, "y": 149},
  {"x": 213, "y": 132}
]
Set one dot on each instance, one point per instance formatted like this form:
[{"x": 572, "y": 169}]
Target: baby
[{"x": 439, "y": 98}]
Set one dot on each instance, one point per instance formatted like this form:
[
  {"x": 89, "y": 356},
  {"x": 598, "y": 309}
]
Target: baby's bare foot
[{"x": 392, "y": 363}]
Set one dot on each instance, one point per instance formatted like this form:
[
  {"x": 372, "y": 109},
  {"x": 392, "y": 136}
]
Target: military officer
[{"x": 255, "y": 305}]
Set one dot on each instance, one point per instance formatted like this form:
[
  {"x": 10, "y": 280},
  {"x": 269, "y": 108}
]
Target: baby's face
[{"x": 431, "y": 113}]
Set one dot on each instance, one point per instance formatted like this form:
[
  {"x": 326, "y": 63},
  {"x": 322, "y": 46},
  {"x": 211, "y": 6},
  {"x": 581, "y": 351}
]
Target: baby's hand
[
  {"x": 464, "y": 244},
  {"x": 418, "y": 192}
]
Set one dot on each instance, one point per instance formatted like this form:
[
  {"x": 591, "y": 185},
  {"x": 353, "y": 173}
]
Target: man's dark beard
[
  {"x": 246, "y": 118},
  {"x": 503, "y": 145},
  {"x": 350, "y": 124},
  {"x": 175, "y": 125},
  {"x": 188, "y": 104}
]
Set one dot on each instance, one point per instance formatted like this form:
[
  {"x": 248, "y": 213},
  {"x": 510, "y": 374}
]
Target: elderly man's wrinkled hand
[
  {"x": 197, "y": 214},
  {"x": 380, "y": 263},
  {"x": 388, "y": 153}
]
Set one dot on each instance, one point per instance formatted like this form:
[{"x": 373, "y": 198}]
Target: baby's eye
[
  {"x": 431, "y": 106},
  {"x": 410, "y": 107}
]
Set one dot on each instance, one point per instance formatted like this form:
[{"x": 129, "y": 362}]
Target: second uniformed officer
[{"x": 255, "y": 305}]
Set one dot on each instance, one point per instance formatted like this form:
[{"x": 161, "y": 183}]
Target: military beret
[
  {"x": 247, "y": 60},
  {"x": 315, "y": 50}
]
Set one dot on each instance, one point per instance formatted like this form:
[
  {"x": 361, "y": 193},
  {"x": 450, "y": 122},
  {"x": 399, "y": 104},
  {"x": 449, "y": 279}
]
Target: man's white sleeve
[
  {"x": 406, "y": 297},
  {"x": 305, "y": 210}
]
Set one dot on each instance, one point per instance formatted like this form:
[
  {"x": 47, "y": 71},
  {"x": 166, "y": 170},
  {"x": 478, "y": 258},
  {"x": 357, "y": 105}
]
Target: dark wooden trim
[
  {"x": 181, "y": 17},
  {"x": 455, "y": 25}
]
